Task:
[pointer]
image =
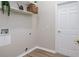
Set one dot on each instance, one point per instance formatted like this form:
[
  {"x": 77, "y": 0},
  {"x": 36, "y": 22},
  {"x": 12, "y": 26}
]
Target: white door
[{"x": 67, "y": 28}]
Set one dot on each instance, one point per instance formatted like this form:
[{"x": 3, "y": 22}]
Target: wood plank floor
[{"x": 42, "y": 53}]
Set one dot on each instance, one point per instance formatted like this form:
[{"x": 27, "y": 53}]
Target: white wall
[
  {"x": 42, "y": 28},
  {"x": 20, "y": 26},
  {"x": 34, "y": 29},
  {"x": 46, "y": 24}
]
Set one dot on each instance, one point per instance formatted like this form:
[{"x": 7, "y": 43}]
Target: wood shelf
[
  {"x": 19, "y": 11},
  {"x": 13, "y": 9}
]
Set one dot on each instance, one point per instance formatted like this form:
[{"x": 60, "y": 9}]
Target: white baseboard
[
  {"x": 37, "y": 47},
  {"x": 52, "y": 51},
  {"x": 24, "y": 53}
]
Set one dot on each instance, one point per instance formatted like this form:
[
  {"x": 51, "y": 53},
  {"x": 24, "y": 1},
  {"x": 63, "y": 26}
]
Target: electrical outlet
[{"x": 26, "y": 49}]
